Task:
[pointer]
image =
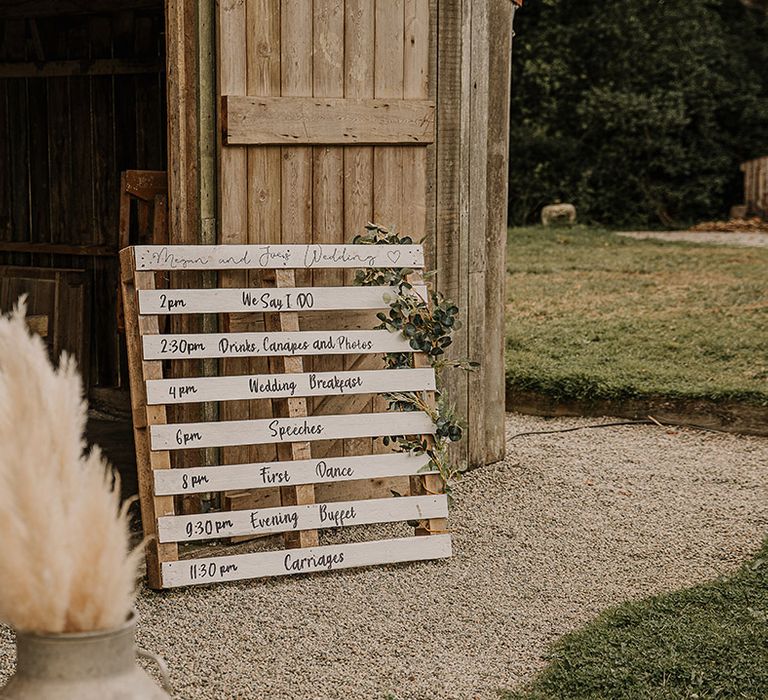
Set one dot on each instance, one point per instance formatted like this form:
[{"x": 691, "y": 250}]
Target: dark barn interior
[{"x": 82, "y": 99}]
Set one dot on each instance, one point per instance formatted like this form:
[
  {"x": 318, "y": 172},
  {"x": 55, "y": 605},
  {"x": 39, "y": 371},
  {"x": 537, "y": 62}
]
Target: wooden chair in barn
[
  {"x": 146, "y": 193},
  {"x": 148, "y": 189}
]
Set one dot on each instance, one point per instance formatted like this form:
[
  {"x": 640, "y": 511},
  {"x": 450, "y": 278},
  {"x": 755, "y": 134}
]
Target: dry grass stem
[{"x": 65, "y": 558}]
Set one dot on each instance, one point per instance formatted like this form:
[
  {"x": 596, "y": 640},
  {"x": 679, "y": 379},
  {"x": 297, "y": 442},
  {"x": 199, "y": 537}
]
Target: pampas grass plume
[{"x": 65, "y": 558}]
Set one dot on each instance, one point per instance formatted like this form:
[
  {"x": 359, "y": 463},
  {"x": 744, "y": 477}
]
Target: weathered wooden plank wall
[
  {"x": 324, "y": 193},
  {"x": 468, "y": 216},
  {"x": 756, "y": 186},
  {"x": 65, "y": 138},
  {"x": 190, "y": 144},
  {"x": 456, "y": 52}
]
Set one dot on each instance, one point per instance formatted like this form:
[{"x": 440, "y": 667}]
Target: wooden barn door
[{"x": 324, "y": 125}]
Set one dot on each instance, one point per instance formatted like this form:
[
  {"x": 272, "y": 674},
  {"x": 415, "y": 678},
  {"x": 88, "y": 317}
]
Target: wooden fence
[
  {"x": 756, "y": 186},
  {"x": 455, "y": 53}
]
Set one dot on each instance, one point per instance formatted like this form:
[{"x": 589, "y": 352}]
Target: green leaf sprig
[{"x": 428, "y": 329}]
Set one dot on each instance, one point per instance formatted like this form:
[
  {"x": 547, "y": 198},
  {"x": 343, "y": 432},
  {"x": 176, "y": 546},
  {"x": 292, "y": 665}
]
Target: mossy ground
[
  {"x": 708, "y": 642},
  {"x": 592, "y": 315}
]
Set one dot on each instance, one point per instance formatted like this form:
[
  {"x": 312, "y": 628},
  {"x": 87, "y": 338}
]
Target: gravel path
[
  {"x": 750, "y": 239},
  {"x": 569, "y": 524}
]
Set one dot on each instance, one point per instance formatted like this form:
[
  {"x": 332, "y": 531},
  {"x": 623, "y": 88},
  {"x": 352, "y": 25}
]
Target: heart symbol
[{"x": 394, "y": 256}]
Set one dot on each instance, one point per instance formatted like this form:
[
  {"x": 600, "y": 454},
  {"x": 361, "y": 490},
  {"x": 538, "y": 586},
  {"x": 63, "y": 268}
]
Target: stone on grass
[
  {"x": 558, "y": 215},
  {"x": 739, "y": 211}
]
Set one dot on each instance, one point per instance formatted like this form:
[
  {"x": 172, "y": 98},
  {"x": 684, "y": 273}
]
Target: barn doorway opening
[{"x": 82, "y": 99}]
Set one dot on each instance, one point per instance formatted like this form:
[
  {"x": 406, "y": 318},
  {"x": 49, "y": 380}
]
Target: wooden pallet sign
[{"x": 292, "y": 429}]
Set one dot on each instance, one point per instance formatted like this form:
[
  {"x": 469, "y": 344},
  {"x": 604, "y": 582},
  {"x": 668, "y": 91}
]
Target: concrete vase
[{"x": 82, "y": 666}]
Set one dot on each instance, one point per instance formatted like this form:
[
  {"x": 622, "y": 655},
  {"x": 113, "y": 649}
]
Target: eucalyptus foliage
[
  {"x": 637, "y": 111},
  {"x": 428, "y": 328}
]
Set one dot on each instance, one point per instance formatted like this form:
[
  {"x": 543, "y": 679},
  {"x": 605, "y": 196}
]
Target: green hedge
[{"x": 637, "y": 111}]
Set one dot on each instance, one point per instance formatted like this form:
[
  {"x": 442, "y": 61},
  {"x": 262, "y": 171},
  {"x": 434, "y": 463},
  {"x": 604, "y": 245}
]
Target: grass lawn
[
  {"x": 592, "y": 315},
  {"x": 707, "y": 642}
]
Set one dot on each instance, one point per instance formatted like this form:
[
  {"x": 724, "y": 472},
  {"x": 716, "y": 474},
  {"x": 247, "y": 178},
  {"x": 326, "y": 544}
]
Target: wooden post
[
  {"x": 468, "y": 214},
  {"x": 493, "y": 385},
  {"x": 756, "y": 186},
  {"x": 147, "y": 460},
  {"x": 293, "y": 408},
  {"x": 451, "y": 206},
  {"x": 475, "y": 316},
  {"x": 428, "y": 484},
  {"x": 263, "y": 193},
  {"x": 328, "y": 80},
  {"x": 182, "y": 42},
  {"x": 357, "y": 207},
  {"x": 233, "y": 197}
]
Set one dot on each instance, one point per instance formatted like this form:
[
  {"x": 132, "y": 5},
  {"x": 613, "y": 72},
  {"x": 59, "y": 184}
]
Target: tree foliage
[{"x": 638, "y": 111}]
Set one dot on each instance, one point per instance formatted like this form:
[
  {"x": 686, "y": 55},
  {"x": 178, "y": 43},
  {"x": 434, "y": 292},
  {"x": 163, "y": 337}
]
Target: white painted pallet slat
[
  {"x": 308, "y": 516},
  {"x": 315, "y": 516},
  {"x": 276, "y": 386},
  {"x": 266, "y": 257},
  {"x": 266, "y": 300},
  {"x": 207, "y": 345},
  {"x": 295, "y": 561},
  {"x": 180, "y": 436},
  {"x": 233, "y": 477}
]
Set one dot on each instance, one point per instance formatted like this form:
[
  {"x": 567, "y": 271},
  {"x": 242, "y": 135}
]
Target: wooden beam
[
  {"x": 475, "y": 254},
  {"x": 181, "y": 56},
  {"x": 266, "y": 300},
  {"x": 236, "y": 567},
  {"x": 266, "y": 475},
  {"x": 315, "y": 120},
  {"x": 147, "y": 460},
  {"x": 284, "y": 386},
  {"x": 145, "y": 184},
  {"x": 184, "y": 47},
  {"x": 328, "y": 185},
  {"x": 357, "y": 209},
  {"x": 231, "y": 50},
  {"x": 500, "y": 18},
  {"x": 295, "y": 408},
  {"x": 262, "y": 189},
  {"x": 86, "y": 251},
  {"x": 310, "y": 516},
  {"x": 46, "y": 8},
  {"x": 97, "y": 66},
  {"x": 206, "y": 96},
  {"x": 452, "y": 196},
  {"x": 230, "y": 345},
  {"x": 285, "y": 431}
]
